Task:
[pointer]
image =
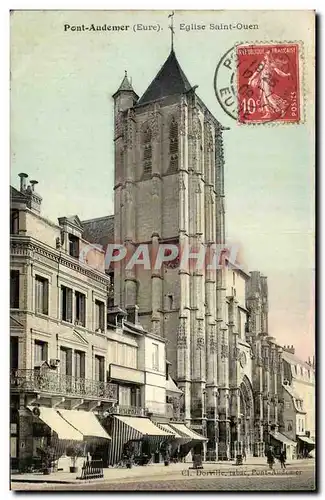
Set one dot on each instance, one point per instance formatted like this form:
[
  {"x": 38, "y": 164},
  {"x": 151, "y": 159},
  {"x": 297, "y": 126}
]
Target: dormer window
[{"x": 73, "y": 246}]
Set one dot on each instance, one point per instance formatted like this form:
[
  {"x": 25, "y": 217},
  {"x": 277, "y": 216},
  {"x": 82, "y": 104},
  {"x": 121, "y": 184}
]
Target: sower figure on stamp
[{"x": 265, "y": 79}]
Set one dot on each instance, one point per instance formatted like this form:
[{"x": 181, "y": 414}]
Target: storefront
[
  {"x": 146, "y": 437},
  {"x": 305, "y": 446},
  {"x": 280, "y": 442}
]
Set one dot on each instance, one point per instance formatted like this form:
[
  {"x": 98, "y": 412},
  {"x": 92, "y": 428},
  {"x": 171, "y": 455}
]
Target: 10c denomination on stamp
[{"x": 268, "y": 88}]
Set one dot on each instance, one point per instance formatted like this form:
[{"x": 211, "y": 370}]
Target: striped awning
[
  {"x": 307, "y": 440},
  {"x": 61, "y": 427},
  {"x": 282, "y": 438},
  {"x": 144, "y": 426},
  {"x": 187, "y": 432},
  {"x": 85, "y": 422},
  {"x": 181, "y": 439},
  {"x": 125, "y": 429}
]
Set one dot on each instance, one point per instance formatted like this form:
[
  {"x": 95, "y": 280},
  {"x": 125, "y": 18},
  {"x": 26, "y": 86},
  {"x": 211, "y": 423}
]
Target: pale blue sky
[{"x": 62, "y": 131}]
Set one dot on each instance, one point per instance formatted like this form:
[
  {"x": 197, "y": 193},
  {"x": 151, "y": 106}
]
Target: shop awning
[
  {"x": 171, "y": 387},
  {"x": 187, "y": 432},
  {"x": 177, "y": 436},
  {"x": 306, "y": 439},
  {"x": 51, "y": 418},
  {"x": 126, "y": 429},
  {"x": 282, "y": 438},
  {"x": 86, "y": 422},
  {"x": 144, "y": 426},
  {"x": 167, "y": 428}
]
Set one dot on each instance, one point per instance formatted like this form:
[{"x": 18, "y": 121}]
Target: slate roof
[
  {"x": 99, "y": 230},
  {"x": 170, "y": 80},
  {"x": 293, "y": 359},
  {"x": 126, "y": 86}
]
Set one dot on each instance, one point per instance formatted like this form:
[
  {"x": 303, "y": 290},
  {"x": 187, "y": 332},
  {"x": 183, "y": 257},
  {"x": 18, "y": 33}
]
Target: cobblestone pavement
[{"x": 260, "y": 480}]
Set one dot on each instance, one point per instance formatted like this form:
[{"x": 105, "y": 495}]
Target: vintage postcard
[{"x": 162, "y": 250}]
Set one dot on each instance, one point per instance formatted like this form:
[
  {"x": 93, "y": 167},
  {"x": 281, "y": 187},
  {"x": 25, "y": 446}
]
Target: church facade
[{"x": 169, "y": 189}]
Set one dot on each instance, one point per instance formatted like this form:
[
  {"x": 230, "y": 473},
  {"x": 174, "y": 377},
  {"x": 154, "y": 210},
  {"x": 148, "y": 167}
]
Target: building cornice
[{"x": 26, "y": 246}]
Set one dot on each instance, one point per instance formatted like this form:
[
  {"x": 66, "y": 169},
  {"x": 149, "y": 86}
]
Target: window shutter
[
  {"x": 63, "y": 361},
  {"x": 77, "y": 360},
  {"x": 45, "y": 351},
  {"x": 45, "y": 297},
  {"x": 83, "y": 309},
  {"x": 97, "y": 374},
  {"x": 69, "y": 304},
  {"x": 82, "y": 365},
  {"x": 102, "y": 317}
]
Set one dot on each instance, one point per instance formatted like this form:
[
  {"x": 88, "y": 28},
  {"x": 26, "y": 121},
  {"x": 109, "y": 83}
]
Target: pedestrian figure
[
  {"x": 244, "y": 453},
  {"x": 282, "y": 459},
  {"x": 270, "y": 458}
]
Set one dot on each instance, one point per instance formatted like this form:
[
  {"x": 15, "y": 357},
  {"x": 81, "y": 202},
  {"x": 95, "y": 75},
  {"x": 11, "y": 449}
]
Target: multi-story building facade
[
  {"x": 299, "y": 386},
  {"x": 68, "y": 350},
  {"x": 58, "y": 320}
]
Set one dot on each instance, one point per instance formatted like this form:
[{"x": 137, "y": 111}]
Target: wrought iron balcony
[
  {"x": 51, "y": 382},
  {"x": 134, "y": 411},
  {"x": 178, "y": 417}
]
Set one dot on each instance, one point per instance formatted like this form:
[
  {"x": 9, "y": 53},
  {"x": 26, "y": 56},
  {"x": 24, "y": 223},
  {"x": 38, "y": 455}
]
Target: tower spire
[{"x": 171, "y": 27}]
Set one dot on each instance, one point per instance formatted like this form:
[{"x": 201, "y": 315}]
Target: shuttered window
[
  {"x": 65, "y": 361},
  {"x": 66, "y": 304},
  {"x": 124, "y": 396},
  {"x": 79, "y": 364},
  {"x": 40, "y": 351},
  {"x": 99, "y": 315},
  {"x": 14, "y": 289},
  {"x": 80, "y": 309},
  {"x": 41, "y": 295},
  {"x": 99, "y": 368}
]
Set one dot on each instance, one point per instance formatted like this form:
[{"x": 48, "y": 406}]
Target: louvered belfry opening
[{"x": 173, "y": 146}]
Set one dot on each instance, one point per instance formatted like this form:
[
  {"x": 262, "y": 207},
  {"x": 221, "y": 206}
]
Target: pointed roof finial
[
  {"x": 125, "y": 84},
  {"x": 171, "y": 27}
]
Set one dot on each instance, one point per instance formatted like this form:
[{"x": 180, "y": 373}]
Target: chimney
[
  {"x": 33, "y": 183},
  {"x": 23, "y": 178}
]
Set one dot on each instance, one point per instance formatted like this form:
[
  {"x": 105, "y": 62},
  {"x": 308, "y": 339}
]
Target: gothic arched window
[
  {"x": 147, "y": 150},
  {"x": 173, "y": 146}
]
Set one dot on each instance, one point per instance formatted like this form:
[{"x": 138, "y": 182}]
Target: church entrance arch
[{"x": 247, "y": 416}]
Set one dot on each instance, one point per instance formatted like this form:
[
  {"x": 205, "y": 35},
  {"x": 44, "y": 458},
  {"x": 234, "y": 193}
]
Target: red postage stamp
[{"x": 268, "y": 83}]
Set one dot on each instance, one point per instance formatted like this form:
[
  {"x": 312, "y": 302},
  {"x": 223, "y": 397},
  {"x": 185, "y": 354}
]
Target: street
[{"x": 296, "y": 478}]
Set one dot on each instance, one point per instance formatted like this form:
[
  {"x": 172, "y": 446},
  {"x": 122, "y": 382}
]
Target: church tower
[{"x": 169, "y": 189}]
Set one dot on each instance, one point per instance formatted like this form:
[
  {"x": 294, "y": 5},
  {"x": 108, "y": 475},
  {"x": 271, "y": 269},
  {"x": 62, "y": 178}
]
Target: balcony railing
[
  {"x": 134, "y": 411},
  {"x": 178, "y": 417},
  {"x": 53, "y": 383}
]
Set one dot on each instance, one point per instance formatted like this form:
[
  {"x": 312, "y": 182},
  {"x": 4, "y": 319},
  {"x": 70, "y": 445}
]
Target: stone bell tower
[{"x": 169, "y": 190}]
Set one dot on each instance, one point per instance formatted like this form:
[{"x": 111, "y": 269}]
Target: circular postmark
[
  {"x": 259, "y": 83},
  {"x": 225, "y": 83}
]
